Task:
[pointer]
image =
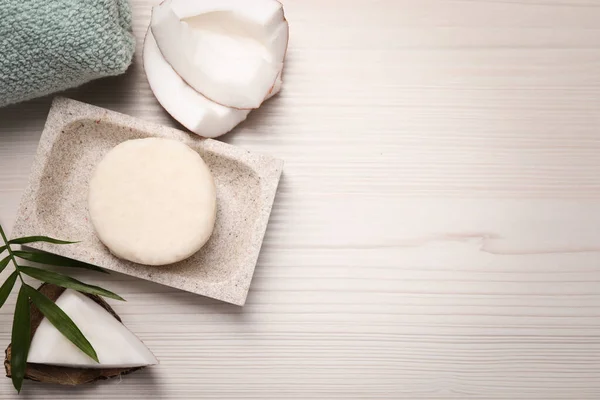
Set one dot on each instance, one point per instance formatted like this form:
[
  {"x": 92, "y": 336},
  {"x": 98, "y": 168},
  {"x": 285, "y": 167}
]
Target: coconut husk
[{"x": 64, "y": 375}]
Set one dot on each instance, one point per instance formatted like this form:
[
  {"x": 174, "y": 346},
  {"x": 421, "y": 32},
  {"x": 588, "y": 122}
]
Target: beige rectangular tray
[{"x": 75, "y": 139}]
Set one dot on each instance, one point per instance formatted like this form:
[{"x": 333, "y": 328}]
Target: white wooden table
[{"x": 437, "y": 230}]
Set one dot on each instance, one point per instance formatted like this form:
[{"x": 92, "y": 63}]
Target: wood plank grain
[{"x": 436, "y": 232}]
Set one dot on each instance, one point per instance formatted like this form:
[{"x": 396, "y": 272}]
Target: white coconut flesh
[
  {"x": 230, "y": 51},
  {"x": 114, "y": 344},
  {"x": 194, "y": 111},
  {"x": 152, "y": 201}
]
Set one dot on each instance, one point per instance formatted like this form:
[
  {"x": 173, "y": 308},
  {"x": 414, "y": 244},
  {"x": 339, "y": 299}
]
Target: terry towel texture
[{"x": 52, "y": 45}]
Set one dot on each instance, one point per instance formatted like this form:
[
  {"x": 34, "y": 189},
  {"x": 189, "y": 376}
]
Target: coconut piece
[
  {"x": 230, "y": 51},
  {"x": 186, "y": 105},
  {"x": 65, "y": 375},
  {"x": 115, "y": 345},
  {"x": 152, "y": 201}
]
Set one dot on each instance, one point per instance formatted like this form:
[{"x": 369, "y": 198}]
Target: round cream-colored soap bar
[{"x": 152, "y": 201}]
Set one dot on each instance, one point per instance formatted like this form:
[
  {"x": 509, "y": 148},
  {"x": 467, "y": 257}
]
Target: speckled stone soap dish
[{"x": 75, "y": 139}]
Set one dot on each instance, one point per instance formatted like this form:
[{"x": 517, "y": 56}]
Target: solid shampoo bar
[{"x": 153, "y": 201}]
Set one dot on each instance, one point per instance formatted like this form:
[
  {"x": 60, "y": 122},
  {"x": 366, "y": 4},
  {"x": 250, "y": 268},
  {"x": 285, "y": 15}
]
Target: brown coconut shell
[{"x": 64, "y": 375}]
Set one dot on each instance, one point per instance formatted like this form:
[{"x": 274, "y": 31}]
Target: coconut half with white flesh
[
  {"x": 115, "y": 345},
  {"x": 230, "y": 51},
  {"x": 194, "y": 111},
  {"x": 186, "y": 105},
  {"x": 54, "y": 359}
]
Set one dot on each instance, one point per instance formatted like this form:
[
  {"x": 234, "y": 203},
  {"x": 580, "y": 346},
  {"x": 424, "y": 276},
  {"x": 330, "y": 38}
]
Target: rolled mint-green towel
[{"x": 52, "y": 45}]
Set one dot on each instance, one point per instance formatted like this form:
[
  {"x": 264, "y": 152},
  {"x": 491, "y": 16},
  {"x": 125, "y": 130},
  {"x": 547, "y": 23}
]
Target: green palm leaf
[
  {"x": 21, "y": 338},
  {"x": 54, "y": 259},
  {"x": 33, "y": 239},
  {"x": 4, "y": 263},
  {"x": 7, "y": 287},
  {"x": 67, "y": 282}
]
